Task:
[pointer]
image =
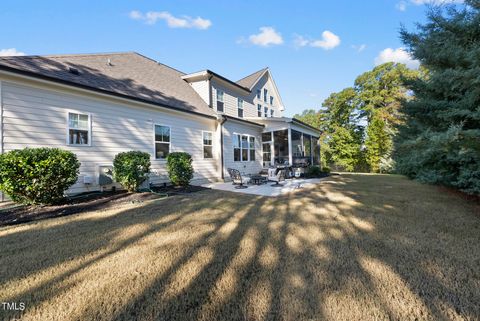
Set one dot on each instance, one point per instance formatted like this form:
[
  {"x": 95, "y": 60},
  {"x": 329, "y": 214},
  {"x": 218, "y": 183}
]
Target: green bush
[
  {"x": 326, "y": 169},
  {"x": 37, "y": 175},
  {"x": 314, "y": 171},
  {"x": 131, "y": 169},
  {"x": 180, "y": 169}
]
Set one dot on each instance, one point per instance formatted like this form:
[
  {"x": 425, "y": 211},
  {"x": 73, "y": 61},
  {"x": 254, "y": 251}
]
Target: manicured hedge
[
  {"x": 180, "y": 169},
  {"x": 131, "y": 169},
  {"x": 38, "y": 175}
]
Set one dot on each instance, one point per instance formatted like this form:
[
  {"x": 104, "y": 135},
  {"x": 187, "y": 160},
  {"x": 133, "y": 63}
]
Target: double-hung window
[
  {"x": 272, "y": 112},
  {"x": 207, "y": 145},
  {"x": 265, "y": 111},
  {"x": 259, "y": 92},
  {"x": 252, "y": 148},
  {"x": 219, "y": 100},
  {"x": 259, "y": 110},
  {"x": 240, "y": 107},
  {"x": 79, "y": 129},
  {"x": 162, "y": 141},
  {"x": 271, "y": 100},
  {"x": 265, "y": 95}
]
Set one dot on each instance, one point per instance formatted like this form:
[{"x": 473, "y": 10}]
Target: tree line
[{"x": 422, "y": 123}]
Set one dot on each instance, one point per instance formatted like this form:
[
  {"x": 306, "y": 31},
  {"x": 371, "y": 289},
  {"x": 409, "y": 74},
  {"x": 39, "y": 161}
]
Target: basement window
[{"x": 79, "y": 129}]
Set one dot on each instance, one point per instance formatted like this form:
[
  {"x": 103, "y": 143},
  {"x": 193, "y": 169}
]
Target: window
[
  {"x": 219, "y": 100},
  {"x": 162, "y": 141},
  {"x": 259, "y": 110},
  {"x": 259, "y": 93},
  {"x": 271, "y": 100},
  {"x": 265, "y": 95},
  {"x": 252, "y": 148},
  {"x": 272, "y": 112},
  {"x": 236, "y": 148},
  {"x": 243, "y": 148},
  {"x": 240, "y": 107},
  {"x": 207, "y": 145},
  {"x": 265, "y": 111},
  {"x": 79, "y": 129}
]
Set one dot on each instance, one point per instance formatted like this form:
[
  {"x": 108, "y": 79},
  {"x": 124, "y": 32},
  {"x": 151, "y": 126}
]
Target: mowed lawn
[{"x": 356, "y": 247}]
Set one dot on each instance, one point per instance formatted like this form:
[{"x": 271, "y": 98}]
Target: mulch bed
[{"x": 12, "y": 214}]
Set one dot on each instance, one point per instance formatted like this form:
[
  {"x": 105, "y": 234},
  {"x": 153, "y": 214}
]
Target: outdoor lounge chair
[
  {"x": 237, "y": 178},
  {"x": 277, "y": 176}
]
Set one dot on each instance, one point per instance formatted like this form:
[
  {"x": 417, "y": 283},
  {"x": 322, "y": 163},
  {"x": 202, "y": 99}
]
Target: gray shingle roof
[
  {"x": 128, "y": 74},
  {"x": 251, "y": 80}
]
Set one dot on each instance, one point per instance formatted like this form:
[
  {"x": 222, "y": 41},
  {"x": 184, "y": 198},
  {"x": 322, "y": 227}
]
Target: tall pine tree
[{"x": 440, "y": 140}]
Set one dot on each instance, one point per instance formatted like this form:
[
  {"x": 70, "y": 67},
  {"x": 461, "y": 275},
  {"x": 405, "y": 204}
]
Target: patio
[{"x": 287, "y": 186}]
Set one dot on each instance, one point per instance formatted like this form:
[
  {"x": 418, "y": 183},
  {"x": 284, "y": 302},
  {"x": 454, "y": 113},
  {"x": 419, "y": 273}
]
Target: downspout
[
  {"x": 223, "y": 120},
  {"x": 210, "y": 98}
]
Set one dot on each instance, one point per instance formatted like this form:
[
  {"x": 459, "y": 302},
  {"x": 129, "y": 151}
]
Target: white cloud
[
  {"x": 11, "y": 52},
  {"x": 329, "y": 41},
  {"x": 398, "y": 55},
  {"x": 402, "y": 5},
  {"x": 268, "y": 36},
  {"x": 152, "y": 17},
  {"x": 359, "y": 48}
]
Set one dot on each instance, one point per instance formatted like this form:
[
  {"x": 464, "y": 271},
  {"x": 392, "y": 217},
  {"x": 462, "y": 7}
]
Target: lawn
[{"x": 356, "y": 247}]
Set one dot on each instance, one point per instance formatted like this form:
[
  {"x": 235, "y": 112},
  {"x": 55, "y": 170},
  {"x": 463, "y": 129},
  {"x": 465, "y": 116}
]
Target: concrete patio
[{"x": 288, "y": 186}]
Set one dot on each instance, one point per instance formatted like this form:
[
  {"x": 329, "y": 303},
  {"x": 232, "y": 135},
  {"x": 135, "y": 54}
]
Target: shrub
[
  {"x": 131, "y": 169},
  {"x": 37, "y": 175},
  {"x": 180, "y": 169},
  {"x": 314, "y": 171},
  {"x": 326, "y": 169}
]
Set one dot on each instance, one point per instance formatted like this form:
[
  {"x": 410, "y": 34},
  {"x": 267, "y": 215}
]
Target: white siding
[
  {"x": 230, "y": 99},
  {"x": 266, "y": 83},
  {"x": 249, "y": 167},
  {"x": 202, "y": 89},
  {"x": 37, "y": 116}
]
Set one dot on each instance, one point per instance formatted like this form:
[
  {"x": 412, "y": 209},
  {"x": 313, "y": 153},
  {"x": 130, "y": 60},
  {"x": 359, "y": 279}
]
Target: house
[{"x": 97, "y": 105}]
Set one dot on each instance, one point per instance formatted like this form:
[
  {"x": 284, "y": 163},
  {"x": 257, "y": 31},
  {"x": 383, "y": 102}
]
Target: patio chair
[
  {"x": 237, "y": 178},
  {"x": 276, "y": 176}
]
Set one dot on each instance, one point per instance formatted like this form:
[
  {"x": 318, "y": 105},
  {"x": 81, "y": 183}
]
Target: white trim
[
  {"x": 203, "y": 144},
  {"x": 72, "y": 111},
  {"x": 2, "y": 197},
  {"x": 155, "y": 142}
]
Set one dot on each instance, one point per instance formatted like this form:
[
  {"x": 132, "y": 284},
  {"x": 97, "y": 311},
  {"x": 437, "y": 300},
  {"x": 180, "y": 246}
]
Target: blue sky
[{"x": 313, "y": 48}]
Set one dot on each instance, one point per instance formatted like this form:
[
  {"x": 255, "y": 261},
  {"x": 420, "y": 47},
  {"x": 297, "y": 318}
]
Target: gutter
[{"x": 98, "y": 90}]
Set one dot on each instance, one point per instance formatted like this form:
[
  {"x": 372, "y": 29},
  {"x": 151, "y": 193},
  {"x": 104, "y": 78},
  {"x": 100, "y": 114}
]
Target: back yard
[{"x": 356, "y": 247}]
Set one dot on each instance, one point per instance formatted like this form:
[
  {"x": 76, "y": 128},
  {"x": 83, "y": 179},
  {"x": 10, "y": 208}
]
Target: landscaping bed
[{"x": 11, "y": 213}]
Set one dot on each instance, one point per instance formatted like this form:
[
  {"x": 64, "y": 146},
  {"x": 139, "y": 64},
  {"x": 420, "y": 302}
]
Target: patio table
[{"x": 258, "y": 179}]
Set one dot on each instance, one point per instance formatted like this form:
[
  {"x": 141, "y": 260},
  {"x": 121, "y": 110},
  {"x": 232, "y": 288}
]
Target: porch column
[
  {"x": 290, "y": 154},
  {"x": 272, "y": 150}
]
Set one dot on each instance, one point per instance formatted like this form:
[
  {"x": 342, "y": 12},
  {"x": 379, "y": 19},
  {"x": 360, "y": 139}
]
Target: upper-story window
[
  {"x": 79, "y": 129},
  {"x": 219, "y": 100},
  {"x": 272, "y": 112},
  {"x": 265, "y": 111},
  {"x": 240, "y": 107},
  {"x": 259, "y": 110},
  {"x": 265, "y": 95},
  {"x": 259, "y": 92},
  {"x": 271, "y": 100}
]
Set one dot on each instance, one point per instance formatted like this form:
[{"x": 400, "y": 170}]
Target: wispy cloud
[
  {"x": 398, "y": 55},
  {"x": 328, "y": 41},
  {"x": 152, "y": 17},
  {"x": 359, "y": 48},
  {"x": 11, "y": 52},
  {"x": 402, "y": 5},
  {"x": 267, "y": 37}
]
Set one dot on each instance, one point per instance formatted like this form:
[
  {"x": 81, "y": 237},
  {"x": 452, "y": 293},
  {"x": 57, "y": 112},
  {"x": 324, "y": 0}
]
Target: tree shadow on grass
[{"x": 336, "y": 252}]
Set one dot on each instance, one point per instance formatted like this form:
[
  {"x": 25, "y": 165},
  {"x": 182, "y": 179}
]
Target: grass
[{"x": 356, "y": 247}]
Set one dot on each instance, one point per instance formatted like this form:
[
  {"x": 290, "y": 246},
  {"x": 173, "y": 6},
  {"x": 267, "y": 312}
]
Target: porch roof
[{"x": 279, "y": 123}]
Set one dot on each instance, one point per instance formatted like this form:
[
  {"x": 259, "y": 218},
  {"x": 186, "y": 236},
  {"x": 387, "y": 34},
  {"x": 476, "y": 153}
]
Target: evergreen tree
[{"x": 440, "y": 140}]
